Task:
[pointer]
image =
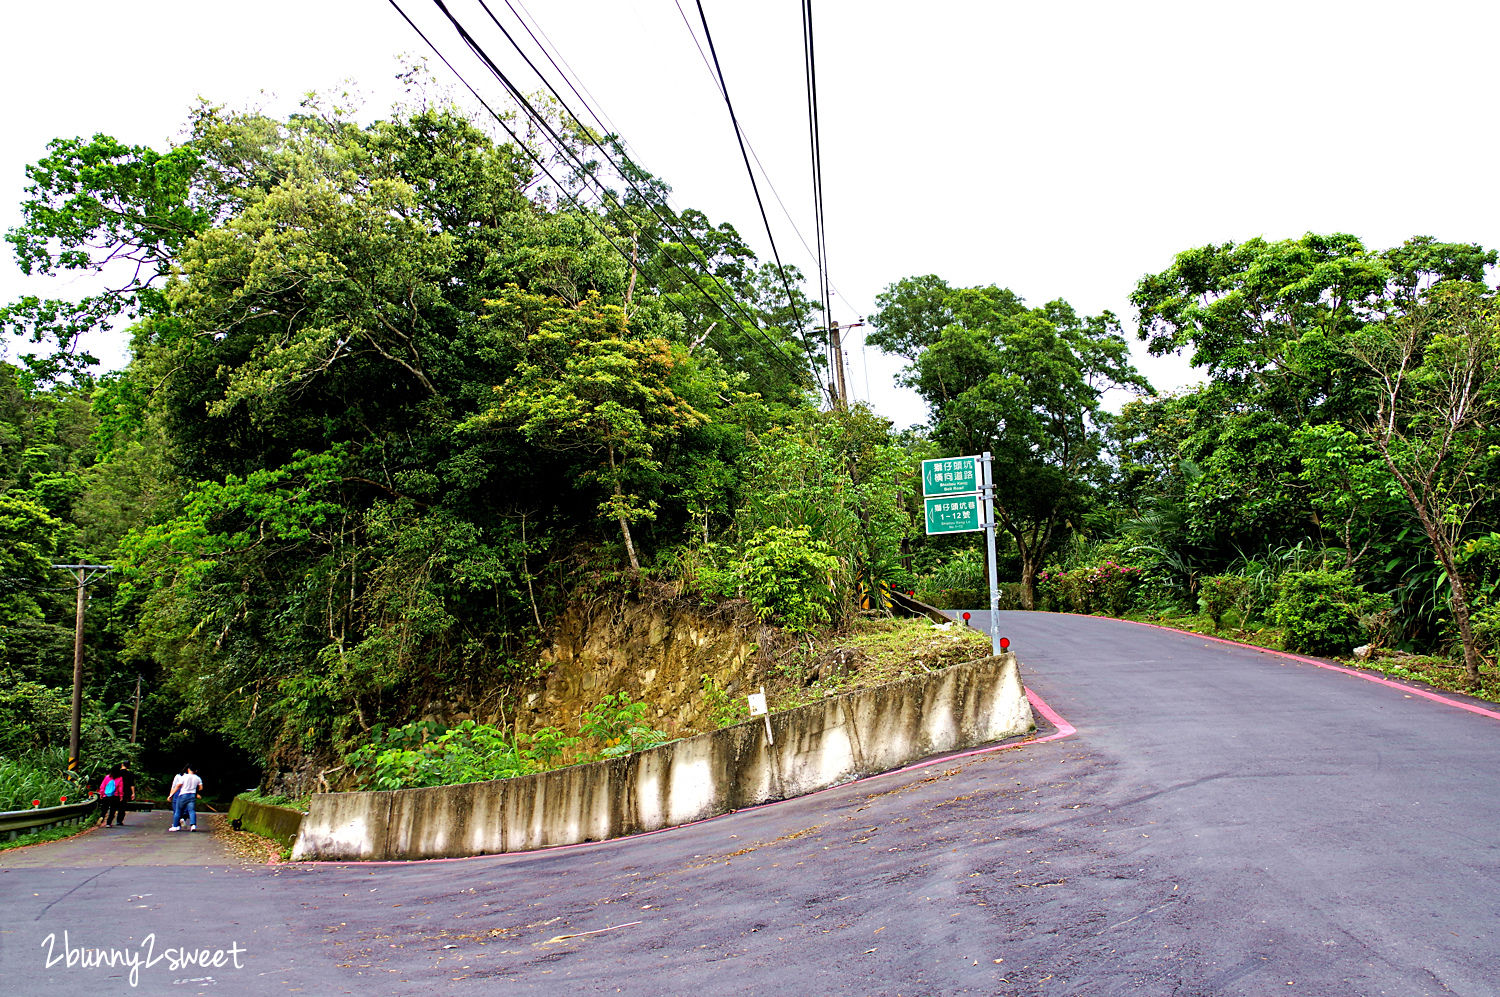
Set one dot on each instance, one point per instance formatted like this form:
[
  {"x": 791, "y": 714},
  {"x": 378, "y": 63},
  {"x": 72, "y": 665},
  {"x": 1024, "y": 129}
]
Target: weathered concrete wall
[
  {"x": 279, "y": 823},
  {"x": 815, "y": 746}
]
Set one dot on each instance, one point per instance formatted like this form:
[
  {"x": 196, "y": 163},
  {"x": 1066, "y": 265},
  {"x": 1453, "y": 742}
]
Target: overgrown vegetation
[
  {"x": 430, "y": 753},
  {"x": 392, "y": 402},
  {"x": 45, "y": 835},
  {"x": 38, "y": 779}
]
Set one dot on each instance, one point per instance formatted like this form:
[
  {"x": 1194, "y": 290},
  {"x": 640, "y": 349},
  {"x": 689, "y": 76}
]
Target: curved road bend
[{"x": 1224, "y": 822}]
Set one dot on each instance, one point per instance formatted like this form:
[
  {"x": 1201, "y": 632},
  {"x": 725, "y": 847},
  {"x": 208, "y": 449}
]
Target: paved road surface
[{"x": 1224, "y": 822}]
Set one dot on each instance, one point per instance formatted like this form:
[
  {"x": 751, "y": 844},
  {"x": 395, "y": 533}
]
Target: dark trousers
[{"x": 116, "y": 809}]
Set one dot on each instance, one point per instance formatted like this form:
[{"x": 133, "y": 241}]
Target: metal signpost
[{"x": 953, "y": 490}]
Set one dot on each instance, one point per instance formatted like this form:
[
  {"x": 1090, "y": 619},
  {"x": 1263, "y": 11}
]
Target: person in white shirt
[{"x": 184, "y": 796}]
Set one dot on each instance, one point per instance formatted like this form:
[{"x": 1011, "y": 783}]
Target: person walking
[
  {"x": 124, "y": 793},
  {"x": 185, "y": 799},
  {"x": 109, "y": 788},
  {"x": 172, "y": 799}
]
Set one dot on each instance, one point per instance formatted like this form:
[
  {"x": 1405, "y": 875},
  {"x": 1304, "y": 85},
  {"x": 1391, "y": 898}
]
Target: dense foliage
[
  {"x": 393, "y": 401},
  {"x": 1337, "y": 476}
]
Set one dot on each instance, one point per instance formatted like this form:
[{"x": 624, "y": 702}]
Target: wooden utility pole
[
  {"x": 84, "y": 573},
  {"x": 836, "y": 347},
  {"x": 135, "y": 721},
  {"x": 837, "y": 384}
]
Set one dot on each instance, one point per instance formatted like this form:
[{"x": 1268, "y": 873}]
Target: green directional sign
[
  {"x": 950, "y": 476},
  {"x": 953, "y": 514}
]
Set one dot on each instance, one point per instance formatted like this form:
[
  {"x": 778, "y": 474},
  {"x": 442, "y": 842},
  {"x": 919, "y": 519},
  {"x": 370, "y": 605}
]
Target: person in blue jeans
[{"x": 185, "y": 799}]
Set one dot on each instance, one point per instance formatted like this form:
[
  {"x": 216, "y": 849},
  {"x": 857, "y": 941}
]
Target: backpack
[{"x": 110, "y": 785}]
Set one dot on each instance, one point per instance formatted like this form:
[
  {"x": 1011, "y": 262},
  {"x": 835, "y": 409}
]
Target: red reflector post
[
  {"x": 966, "y": 617},
  {"x": 1004, "y": 643}
]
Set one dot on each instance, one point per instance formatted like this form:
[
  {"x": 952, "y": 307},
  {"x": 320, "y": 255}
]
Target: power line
[
  {"x": 521, "y": 144},
  {"x": 740, "y": 138},
  {"x": 766, "y": 174},
  {"x": 821, "y": 231},
  {"x": 561, "y": 146},
  {"x": 646, "y": 198}
]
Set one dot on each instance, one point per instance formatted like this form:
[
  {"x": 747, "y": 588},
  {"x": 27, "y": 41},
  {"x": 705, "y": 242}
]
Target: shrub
[
  {"x": 619, "y": 725},
  {"x": 1321, "y": 612},
  {"x": 42, "y": 775},
  {"x": 1112, "y": 587},
  {"x": 1218, "y": 594},
  {"x": 428, "y": 754},
  {"x": 722, "y": 709},
  {"x": 957, "y": 583},
  {"x": 786, "y": 576},
  {"x": 1107, "y": 588}
]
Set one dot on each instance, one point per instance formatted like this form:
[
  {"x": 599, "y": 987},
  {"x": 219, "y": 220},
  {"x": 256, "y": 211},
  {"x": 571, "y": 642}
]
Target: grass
[
  {"x": 1438, "y": 672},
  {"x": 36, "y": 776},
  {"x": 872, "y": 652},
  {"x": 294, "y": 803},
  {"x": 49, "y": 834}
]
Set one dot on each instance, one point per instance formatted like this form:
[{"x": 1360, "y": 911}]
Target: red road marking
[{"x": 1411, "y": 690}]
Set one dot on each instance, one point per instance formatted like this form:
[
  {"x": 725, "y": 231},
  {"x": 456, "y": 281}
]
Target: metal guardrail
[
  {"x": 14, "y": 823},
  {"x": 908, "y": 606}
]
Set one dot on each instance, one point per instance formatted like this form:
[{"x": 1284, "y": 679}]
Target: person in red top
[
  {"x": 109, "y": 786},
  {"x": 124, "y": 793}
]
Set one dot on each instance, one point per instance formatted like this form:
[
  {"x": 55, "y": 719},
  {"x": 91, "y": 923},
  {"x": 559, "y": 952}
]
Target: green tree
[
  {"x": 1025, "y": 384},
  {"x": 588, "y": 382},
  {"x": 1435, "y": 371},
  {"x": 99, "y": 206}
]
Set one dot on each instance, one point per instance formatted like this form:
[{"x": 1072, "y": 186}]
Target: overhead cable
[
  {"x": 685, "y": 235},
  {"x": 561, "y": 146},
  {"x": 740, "y": 138},
  {"x": 778, "y": 356}
]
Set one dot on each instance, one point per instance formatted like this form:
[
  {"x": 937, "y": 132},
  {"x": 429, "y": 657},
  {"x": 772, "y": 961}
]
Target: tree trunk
[
  {"x": 625, "y": 532},
  {"x": 620, "y": 513},
  {"x": 1028, "y": 581},
  {"x": 1458, "y": 592},
  {"x": 1459, "y": 600}
]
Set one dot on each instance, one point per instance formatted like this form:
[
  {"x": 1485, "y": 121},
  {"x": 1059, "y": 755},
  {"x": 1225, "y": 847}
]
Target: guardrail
[{"x": 14, "y": 823}]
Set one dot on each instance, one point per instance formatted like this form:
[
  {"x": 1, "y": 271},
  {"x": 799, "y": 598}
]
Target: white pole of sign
[
  {"x": 988, "y": 478},
  {"x": 770, "y": 738}
]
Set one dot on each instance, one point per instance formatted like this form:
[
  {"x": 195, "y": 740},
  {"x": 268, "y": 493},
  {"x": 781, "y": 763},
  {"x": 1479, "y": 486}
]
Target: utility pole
[
  {"x": 135, "y": 721},
  {"x": 836, "y": 347},
  {"x": 837, "y": 384},
  {"x": 85, "y": 573}
]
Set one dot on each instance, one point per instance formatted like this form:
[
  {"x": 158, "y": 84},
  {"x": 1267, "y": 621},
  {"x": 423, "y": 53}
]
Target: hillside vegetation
[{"x": 394, "y": 404}]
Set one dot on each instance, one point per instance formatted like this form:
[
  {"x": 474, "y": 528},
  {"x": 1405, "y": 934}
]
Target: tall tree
[
  {"x": 98, "y": 206},
  {"x": 1437, "y": 373},
  {"x": 1025, "y": 384},
  {"x": 588, "y": 382}
]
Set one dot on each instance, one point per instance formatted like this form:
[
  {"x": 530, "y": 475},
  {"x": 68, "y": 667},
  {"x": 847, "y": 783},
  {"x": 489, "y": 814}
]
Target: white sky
[{"x": 1059, "y": 149}]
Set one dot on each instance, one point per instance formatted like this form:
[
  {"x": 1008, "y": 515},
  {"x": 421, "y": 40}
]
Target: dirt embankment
[
  {"x": 668, "y": 652},
  {"x": 693, "y": 664}
]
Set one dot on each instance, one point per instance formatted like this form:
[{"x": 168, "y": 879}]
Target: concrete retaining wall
[
  {"x": 816, "y": 746},
  {"x": 279, "y": 823}
]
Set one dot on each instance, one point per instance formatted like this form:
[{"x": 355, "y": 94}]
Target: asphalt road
[{"x": 1223, "y": 822}]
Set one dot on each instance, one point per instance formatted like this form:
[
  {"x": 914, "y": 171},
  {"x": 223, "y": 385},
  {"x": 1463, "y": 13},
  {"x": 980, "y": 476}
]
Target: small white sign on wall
[{"x": 758, "y": 709}]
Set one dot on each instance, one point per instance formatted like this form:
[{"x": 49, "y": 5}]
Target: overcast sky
[{"x": 1059, "y": 149}]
